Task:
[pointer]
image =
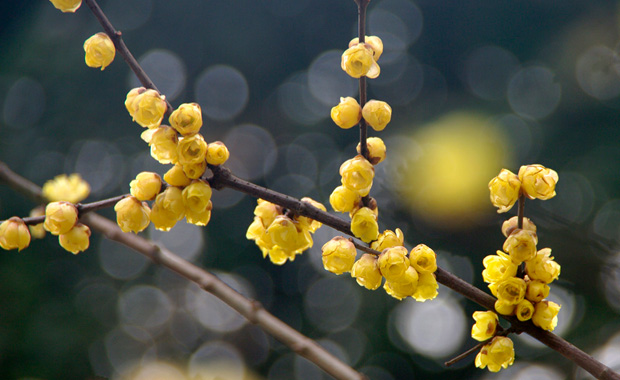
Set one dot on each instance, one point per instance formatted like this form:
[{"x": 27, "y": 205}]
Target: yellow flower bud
[
  {"x": 364, "y": 225},
  {"x": 377, "y": 114},
  {"x": 406, "y": 286},
  {"x": 358, "y": 61},
  {"x": 366, "y": 272},
  {"x": 504, "y": 190},
  {"x": 146, "y": 186},
  {"x": 536, "y": 290},
  {"x": 195, "y": 171},
  {"x": 76, "y": 240},
  {"x": 60, "y": 217},
  {"x": 427, "y": 287},
  {"x": 66, "y": 188},
  {"x": 393, "y": 263},
  {"x": 546, "y": 315},
  {"x": 542, "y": 267},
  {"x": 176, "y": 177},
  {"x": 374, "y": 42},
  {"x": 485, "y": 326},
  {"x": 307, "y": 223},
  {"x": 99, "y": 50},
  {"x": 524, "y": 310},
  {"x": 14, "y": 234},
  {"x": 521, "y": 245},
  {"x": 168, "y": 209},
  {"x": 504, "y": 308},
  {"x": 131, "y": 102},
  {"x": 191, "y": 149},
  {"x": 187, "y": 119},
  {"x": 513, "y": 223},
  {"x": 37, "y": 231},
  {"x": 67, "y": 5},
  {"x": 376, "y": 150},
  {"x": 150, "y": 108},
  {"x": 347, "y": 113},
  {"x": 498, "y": 267},
  {"x": 132, "y": 215},
  {"x": 538, "y": 181},
  {"x": 388, "y": 239},
  {"x": 496, "y": 355},
  {"x": 283, "y": 232},
  {"x": 197, "y": 201},
  {"x": 338, "y": 255},
  {"x": 343, "y": 199},
  {"x": 357, "y": 174},
  {"x": 163, "y": 143},
  {"x": 200, "y": 218},
  {"x": 217, "y": 153},
  {"x": 423, "y": 259},
  {"x": 511, "y": 290}
]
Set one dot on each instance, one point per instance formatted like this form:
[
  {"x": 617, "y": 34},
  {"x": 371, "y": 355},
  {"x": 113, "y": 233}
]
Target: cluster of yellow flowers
[
  {"x": 520, "y": 276},
  {"x": 279, "y": 235},
  {"x": 407, "y": 274}
]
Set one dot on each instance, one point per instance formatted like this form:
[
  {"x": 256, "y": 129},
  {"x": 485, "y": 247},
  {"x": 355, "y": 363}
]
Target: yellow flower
[
  {"x": 67, "y": 5},
  {"x": 163, "y": 142},
  {"x": 347, "y": 113},
  {"x": 388, "y": 239},
  {"x": 512, "y": 224},
  {"x": 521, "y": 245},
  {"x": 60, "y": 217},
  {"x": 524, "y": 310},
  {"x": 504, "y": 308},
  {"x": 358, "y": 61},
  {"x": 393, "y": 263},
  {"x": 70, "y": 188},
  {"x": 374, "y": 42},
  {"x": 187, "y": 119},
  {"x": 338, "y": 255},
  {"x": 542, "y": 267},
  {"x": 423, "y": 259},
  {"x": 146, "y": 186},
  {"x": 267, "y": 211},
  {"x": 14, "y": 234},
  {"x": 149, "y": 108},
  {"x": 197, "y": 201},
  {"x": 343, "y": 199},
  {"x": 377, "y": 113},
  {"x": 536, "y": 291},
  {"x": 307, "y": 223},
  {"x": 131, "y": 100},
  {"x": 76, "y": 240},
  {"x": 257, "y": 231},
  {"x": 376, "y": 150},
  {"x": 496, "y": 355},
  {"x": 132, "y": 215},
  {"x": 364, "y": 225},
  {"x": 406, "y": 286},
  {"x": 37, "y": 231},
  {"x": 538, "y": 181},
  {"x": 99, "y": 50},
  {"x": 504, "y": 190},
  {"x": 546, "y": 315},
  {"x": 427, "y": 287},
  {"x": 357, "y": 174},
  {"x": 511, "y": 290},
  {"x": 498, "y": 267},
  {"x": 168, "y": 209},
  {"x": 191, "y": 149},
  {"x": 217, "y": 153},
  {"x": 199, "y": 218},
  {"x": 283, "y": 232},
  {"x": 366, "y": 272},
  {"x": 176, "y": 177},
  {"x": 195, "y": 171},
  {"x": 485, "y": 326}
]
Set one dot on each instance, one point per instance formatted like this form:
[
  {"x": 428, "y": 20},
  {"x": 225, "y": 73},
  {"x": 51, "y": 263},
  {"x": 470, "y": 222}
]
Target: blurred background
[{"x": 475, "y": 86}]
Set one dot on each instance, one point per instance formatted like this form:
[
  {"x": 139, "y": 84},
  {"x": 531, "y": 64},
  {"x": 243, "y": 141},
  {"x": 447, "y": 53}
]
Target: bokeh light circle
[
  {"x": 222, "y": 92},
  {"x": 164, "y": 68},
  {"x": 533, "y": 92}
]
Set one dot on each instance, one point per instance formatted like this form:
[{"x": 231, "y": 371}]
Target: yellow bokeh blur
[{"x": 444, "y": 178}]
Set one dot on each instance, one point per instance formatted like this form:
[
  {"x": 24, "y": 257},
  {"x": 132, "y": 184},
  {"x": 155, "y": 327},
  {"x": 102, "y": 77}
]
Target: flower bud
[
  {"x": 358, "y": 61},
  {"x": 521, "y": 245},
  {"x": 66, "y": 188},
  {"x": 374, "y": 42},
  {"x": 217, "y": 153},
  {"x": 347, "y": 113},
  {"x": 366, "y": 272},
  {"x": 546, "y": 315},
  {"x": 427, "y": 287},
  {"x": 338, "y": 255},
  {"x": 191, "y": 149},
  {"x": 67, "y": 5},
  {"x": 131, "y": 102},
  {"x": 498, "y": 354},
  {"x": 99, "y": 50},
  {"x": 176, "y": 177},
  {"x": 150, "y": 108},
  {"x": 393, "y": 263},
  {"x": 357, "y": 174},
  {"x": 187, "y": 119},
  {"x": 60, "y": 217},
  {"x": 538, "y": 181},
  {"x": 504, "y": 190},
  {"x": 364, "y": 225},
  {"x": 406, "y": 285},
  {"x": 163, "y": 142},
  {"x": 536, "y": 290},
  {"x": 377, "y": 114},
  {"x": 14, "y": 234},
  {"x": 513, "y": 223},
  {"x": 524, "y": 310},
  {"x": 146, "y": 186},
  {"x": 423, "y": 259},
  {"x": 504, "y": 308},
  {"x": 376, "y": 150},
  {"x": 168, "y": 209},
  {"x": 388, "y": 239},
  {"x": 485, "y": 326},
  {"x": 343, "y": 199},
  {"x": 132, "y": 215},
  {"x": 197, "y": 201},
  {"x": 76, "y": 240}
]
